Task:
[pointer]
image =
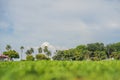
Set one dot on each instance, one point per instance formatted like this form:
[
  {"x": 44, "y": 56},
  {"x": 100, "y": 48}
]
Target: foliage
[
  {"x": 115, "y": 55},
  {"x": 92, "y": 51},
  {"x": 81, "y": 47},
  {"x": 39, "y": 50},
  {"x": 59, "y": 55},
  {"x": 48, "y": 53},
  {"x": 46, "y": 49},
  {"x": 28, "y": 52},
  {"x": 8, "y": 47},
  {"x": 60, "y": 70},
  {"x": 111, "y": 48},
  {"x": 95, "y": 47},
  {"x": 30, "y": 58},
  {"x": 41, "y": 57},
  {"x": 31, "y": 50},
  {"x": 11, "y": 54}
]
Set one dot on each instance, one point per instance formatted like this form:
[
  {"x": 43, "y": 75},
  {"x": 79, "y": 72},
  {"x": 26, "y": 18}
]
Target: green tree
[
  {"x": 109, "y": 50},
  {"x": 116, "y": 46},
  {"x": 31, "y": 50},
  {"x": 12, "y": 54},
  {"x": 95, "y": 47},
  {"x": 30, "y": 58},
  {"x": 78, "y": 55},
  {"x": 41, "y": 57},
  {"x": 115, "y": 55},
  {"x": 86, "y": 54},
  {"x": 59, "y": 55},
  {"x": 48, "y": 53},
  {"x": 28, "y": 52},
  {"x": 81, "y": 47},
  {"x": 45, "y": 49},
  {"x": 8, "y": 47},
  {"x": 39, "y": 50},
  {"x": 100, "y": 55}
]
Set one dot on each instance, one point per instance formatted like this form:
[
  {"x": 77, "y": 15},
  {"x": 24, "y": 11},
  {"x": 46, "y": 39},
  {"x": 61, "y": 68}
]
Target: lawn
[{"x": 60, "y": 70}]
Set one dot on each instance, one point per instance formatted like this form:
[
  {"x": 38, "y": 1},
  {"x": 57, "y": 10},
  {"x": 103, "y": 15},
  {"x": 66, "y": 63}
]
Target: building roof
[{"x": 3, "y": 56}]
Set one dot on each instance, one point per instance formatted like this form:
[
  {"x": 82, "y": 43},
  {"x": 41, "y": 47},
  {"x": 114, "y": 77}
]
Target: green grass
[{"x": 60, "y": 70}]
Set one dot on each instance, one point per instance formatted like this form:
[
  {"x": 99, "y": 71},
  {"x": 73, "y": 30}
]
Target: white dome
[{"x": 45, "y": 44}]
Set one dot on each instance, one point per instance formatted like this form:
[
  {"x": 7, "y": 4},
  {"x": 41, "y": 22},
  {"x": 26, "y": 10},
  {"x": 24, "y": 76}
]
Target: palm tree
[
  {"x": 8, "y": 47},
  {"x": 21, "y": 51},
  {"x": 39, "y": 50},
  {"x": 28, "y": 52},
  {"x": 48, "y": 53},
  {"x": 31, "y": 50},
  {"x": 45, "y": 49}
]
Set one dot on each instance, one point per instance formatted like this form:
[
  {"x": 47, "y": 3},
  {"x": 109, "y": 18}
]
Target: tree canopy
[
  {"x": 11, "y": 54},
  {"x": 91, "y": 51}
]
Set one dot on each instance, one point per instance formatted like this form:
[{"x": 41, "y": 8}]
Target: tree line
[
  {"x": 29, "y": 53},
  {"x": 93, "y": 51}
]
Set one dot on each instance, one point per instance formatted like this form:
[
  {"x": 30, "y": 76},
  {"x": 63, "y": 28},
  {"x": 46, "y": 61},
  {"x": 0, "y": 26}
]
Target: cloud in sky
[{"x": 61, "y": 22}]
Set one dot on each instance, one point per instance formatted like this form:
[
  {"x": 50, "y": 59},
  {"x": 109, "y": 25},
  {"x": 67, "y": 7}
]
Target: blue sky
[{"x": 64, "y": 23}]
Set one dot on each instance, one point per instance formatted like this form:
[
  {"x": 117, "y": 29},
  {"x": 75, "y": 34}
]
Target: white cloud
[
  {"x": 63, "y": 22},
  {"x": 113, "y": 25}
]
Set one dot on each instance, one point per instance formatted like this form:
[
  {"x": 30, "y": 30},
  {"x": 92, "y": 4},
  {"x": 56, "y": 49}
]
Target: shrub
[
  {"x": 30, "y": 58},
  {"x": 41, "y": 57},
  {"x": 11, "y": 54}
]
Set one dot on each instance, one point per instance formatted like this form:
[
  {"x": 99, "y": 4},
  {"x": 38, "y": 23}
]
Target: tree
[
  {"x": 31, "y": 50},
  {"x": 12, "y": 54},
  {"x": 109, "y": 50},
  {"x": 100, "y": 55},
  {"x": 78, "y": 55},
  {"x": 95, "y": 47},
  {"x": 30, "y": 58},
  {"x": 86, "y": 54},
  {"x": 21, "y": 51},
  {"x": 81, "y": 47},
  {"x": 28, "y": 52},
  {"x": 48, "y": 53},
  {"x": 59, "y": 55},
  {"x": 8, "y": 47},
  {"x": 41, "y": 57},
  {"x": 39, "y": 50},
  {"x": 46, "y": 49},
  {"x": 115, "y": 55},
  {"x": 116, "y": 46}
]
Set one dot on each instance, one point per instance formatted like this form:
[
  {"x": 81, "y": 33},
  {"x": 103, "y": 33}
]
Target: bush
[
  {"x": 41, "y": 57},
  {"x": 30, "y": 58},
  {"x": 11, "y": 54},
  {"x": 95, "y": 59}
]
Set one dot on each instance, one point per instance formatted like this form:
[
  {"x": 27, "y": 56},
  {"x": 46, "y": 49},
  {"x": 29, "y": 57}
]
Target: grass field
[{"x": 60, "y": 70}]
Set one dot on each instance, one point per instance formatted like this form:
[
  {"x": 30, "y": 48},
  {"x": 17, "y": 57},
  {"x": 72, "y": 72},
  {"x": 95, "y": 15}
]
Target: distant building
[{"x": 4, "y": 57}]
